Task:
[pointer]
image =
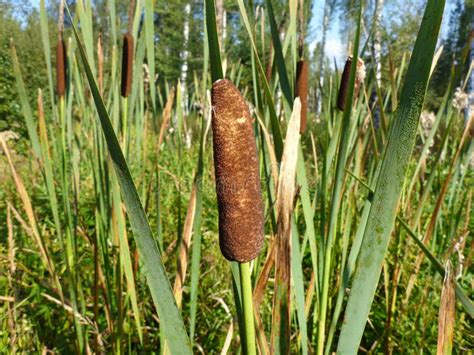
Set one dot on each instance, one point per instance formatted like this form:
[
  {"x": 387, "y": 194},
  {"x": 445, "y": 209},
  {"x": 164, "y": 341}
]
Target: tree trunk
[
  {"x": 470, "y": 87},
  {"x": 184, "y": 57},
  {"x": 220, "y": 22},
  {"x": 377, "y": 42}
]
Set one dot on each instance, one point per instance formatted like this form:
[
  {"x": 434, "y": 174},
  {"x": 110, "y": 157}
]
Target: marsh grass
[{"x": 121, "y": 206}]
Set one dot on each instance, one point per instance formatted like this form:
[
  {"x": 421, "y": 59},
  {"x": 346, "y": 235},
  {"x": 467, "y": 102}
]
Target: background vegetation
[{"x": 71, "y": 278}]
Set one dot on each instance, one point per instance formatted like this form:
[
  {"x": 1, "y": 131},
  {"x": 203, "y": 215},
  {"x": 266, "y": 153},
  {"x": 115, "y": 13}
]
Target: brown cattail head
[
  {"x": 301, "y": 90},
  {"x": 127, "y": 64},
  {"x": 344, "y": 88},
  {"x": 61, "y": 67},
  {"x": 239, "y": 194}
]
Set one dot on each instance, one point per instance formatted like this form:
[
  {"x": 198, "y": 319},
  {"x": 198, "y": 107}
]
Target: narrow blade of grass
[
  {"x": 277, "y": 137},
  {"x": 46, "y": 47},
  {"x": 298, "y": 289},
  {"x": 196, "y": 247},
  {"x": 25, "y": 105},
  {"x": 463, "y": 298},
  {"x": 213, "y": 41},
  {"x": 280, "y": 60},
  {"x": 150, "y": 47}
]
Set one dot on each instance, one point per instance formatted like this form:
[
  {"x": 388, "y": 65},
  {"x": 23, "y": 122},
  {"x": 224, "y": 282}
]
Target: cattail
[
  {"x": 61, "y": 67},
  {"x": 343, "y": 89},
  {"x": 238, "y": 188},
  {"x": 127, "y": 64},
  {"x": 302, "y": 90}
]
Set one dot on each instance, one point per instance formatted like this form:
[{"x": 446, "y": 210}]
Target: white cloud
[{"x": 335, "y": 49}]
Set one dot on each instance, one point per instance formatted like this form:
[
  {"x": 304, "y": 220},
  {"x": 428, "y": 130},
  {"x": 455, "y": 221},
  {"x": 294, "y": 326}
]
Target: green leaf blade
[
  {"x": 389, "y": 184},
  {"x": 170, "y": 319}
]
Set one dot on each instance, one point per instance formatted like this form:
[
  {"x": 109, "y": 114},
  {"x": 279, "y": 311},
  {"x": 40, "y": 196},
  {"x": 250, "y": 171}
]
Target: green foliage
[
  {"x": 27, "y": 37},
  {"x": 455, "y": 43},
  {"x": 83, "y": 221}
]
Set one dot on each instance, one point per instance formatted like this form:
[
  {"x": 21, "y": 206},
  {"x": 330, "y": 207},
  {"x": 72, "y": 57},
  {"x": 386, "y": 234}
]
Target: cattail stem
[{"x": 246, "y": 287}]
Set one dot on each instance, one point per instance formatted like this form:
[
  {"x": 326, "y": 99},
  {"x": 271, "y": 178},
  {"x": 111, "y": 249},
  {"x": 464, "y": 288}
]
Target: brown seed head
[
  {"x": 239, "y": 194},
  {"x": 301, "y": 90},
  {"x": 344, "y": 88},
  {"x": 61, "y": 67},
  {"x": 127, "y": 64}
]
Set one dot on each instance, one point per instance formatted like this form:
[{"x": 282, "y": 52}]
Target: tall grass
[{"x": 354, "y": 213}]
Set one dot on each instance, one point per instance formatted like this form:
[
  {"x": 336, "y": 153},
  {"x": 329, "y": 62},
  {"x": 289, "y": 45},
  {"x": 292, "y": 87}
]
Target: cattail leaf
[
  {"x": 277, "y": 136},
  {"x": 170, "y": 319},
  {"x": 125, "y": 258},
  {"x": 460, "y": 294},
  {"x": 389, "y": 183},
  {"x": 196, "y": 246},
  {"x": 435, "y": 215},
  {"x": 150, "y": 46},
  {"x": 213, "y": 41},
  {"x": 84, "y": 12},
  {"x": 279, "y": 59},
  {"x": 113, "y": 23},
  {"x": 298, "y": 288},
  {"x": 447, "y": 310},
  {"x": 47, "y": 166},
  {"x": 466, "y": 302},
  {"x": 46, "y": 46},
  {"x": 25, "y": 105},
  {"x": 308, "y": 210},
  {"x": 428, "y": 142}
]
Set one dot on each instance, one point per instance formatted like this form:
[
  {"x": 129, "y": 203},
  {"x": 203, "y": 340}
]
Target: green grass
[{"x": 92, "y": 244}]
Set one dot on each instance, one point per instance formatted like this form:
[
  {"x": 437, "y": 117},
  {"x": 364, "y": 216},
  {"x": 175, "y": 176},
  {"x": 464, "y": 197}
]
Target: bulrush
[
  {"x": 343, "y": 89},
  {"x": 127, "y": 64},
  {"x": 61, "y": 67},
  {"x": 238, "y": 188},
  {"x": 301, "y": 90}
]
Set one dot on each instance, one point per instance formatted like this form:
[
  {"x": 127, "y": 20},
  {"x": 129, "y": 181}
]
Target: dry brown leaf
[
  {"x": 285, "y": 195},
  {"x": 166, "y": 118},
  {"x": 28, "y": 208},
  {"x": 446, "y": 313},
  {"x": 184, "y": 248}
]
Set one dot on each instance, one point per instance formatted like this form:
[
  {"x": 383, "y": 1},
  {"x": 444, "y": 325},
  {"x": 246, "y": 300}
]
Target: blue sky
[{"x": 334, "y": 47}]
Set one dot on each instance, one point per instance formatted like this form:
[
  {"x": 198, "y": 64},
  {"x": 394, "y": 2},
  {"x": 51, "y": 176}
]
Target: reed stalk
[
  {"x": 246, "y": 285},
  {"x": 329, "y": 219}
]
